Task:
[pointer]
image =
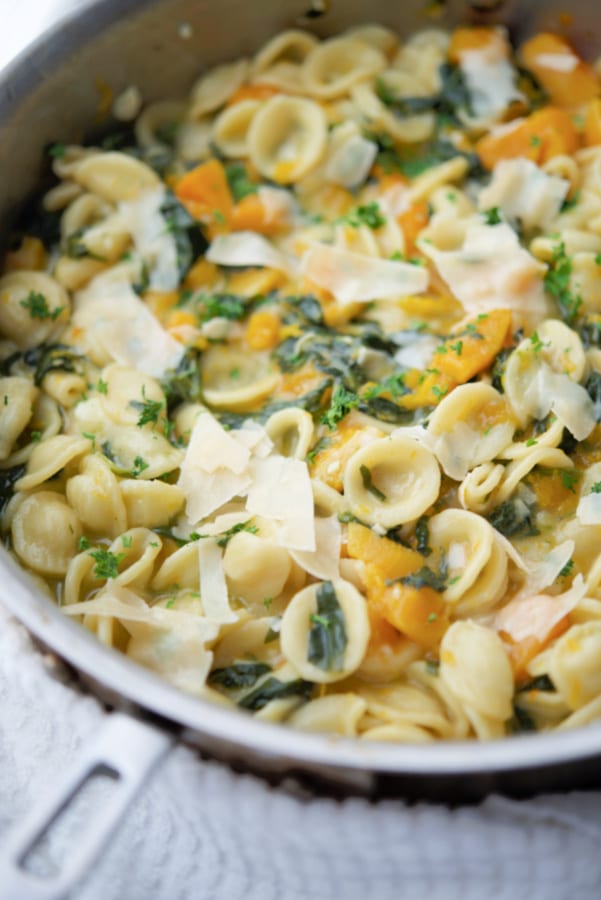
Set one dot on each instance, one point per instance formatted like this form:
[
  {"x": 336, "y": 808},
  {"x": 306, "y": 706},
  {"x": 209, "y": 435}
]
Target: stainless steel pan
[{"x": 51, "y": 93}]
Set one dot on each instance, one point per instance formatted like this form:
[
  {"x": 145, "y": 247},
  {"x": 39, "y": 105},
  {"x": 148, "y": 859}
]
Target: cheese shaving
[
  {"x": 281, "y": 491},
  {"x": 324, "y": 561},
  {"x": 525, "y": 194},
  {"x": 213, "y": 588},
  {"x": 357, "y": 278},
  {"x": 246, "y": 248},
  {"x": 152, "y": 238},
  {"x": 536, "y": 615},
  {"x": 113, "y": 316}
]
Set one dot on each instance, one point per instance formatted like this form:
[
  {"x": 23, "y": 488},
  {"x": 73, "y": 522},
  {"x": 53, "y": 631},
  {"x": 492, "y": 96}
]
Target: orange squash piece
[
  {"x": 261, "y": 91},
  {"x": 391, "y": 559},
  {"x": 263, "y": 330},
  {"x": 567, "y": 79},
  {"x": 419, "y": 613},
  {"x": 205, "y": 193},
  {"x": 250, "y": 215},
  {"x": 521, "y": 653},
  {"x": 412, "y": 221},
  {"x": 546, "y": 133},
  {"x": 592, "y": 123},
  {"x": 467, "y": 40},
  {"x": 30, "y": 256},
  {"x": 462, "y": 356}
]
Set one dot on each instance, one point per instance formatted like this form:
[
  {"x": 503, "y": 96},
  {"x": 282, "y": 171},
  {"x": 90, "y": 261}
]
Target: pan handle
[{"x": 125, "y": 750}]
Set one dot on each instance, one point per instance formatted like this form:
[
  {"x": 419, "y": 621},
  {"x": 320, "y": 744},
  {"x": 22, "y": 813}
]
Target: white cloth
[{"x": 200, "y": 831}]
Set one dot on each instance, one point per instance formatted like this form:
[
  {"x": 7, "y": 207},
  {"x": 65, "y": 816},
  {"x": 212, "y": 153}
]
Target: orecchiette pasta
[{"x": 300, "y": 393}]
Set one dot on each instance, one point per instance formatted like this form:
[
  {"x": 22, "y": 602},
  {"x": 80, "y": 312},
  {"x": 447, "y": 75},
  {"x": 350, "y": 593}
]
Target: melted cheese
[
  {"x": 152, "y": 238},
  {"x": 357, "y": 278},
  {"x": 246, "y": 248},
  {"x": 281, "y": 491},
  {"x": 111, "y": 314},
  {"x": 491, "y": 271},
  {"x": 524, "y": 193},
  {"x": 213, "y": 588}
]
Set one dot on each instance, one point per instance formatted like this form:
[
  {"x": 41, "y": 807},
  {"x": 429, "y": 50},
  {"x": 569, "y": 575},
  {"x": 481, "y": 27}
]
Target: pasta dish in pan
[{"x": 300, "y": 385}]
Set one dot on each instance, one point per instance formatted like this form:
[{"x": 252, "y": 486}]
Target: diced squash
[
  {"x": 205, "y": 193},
  {"x": 412, "y": 221},
  {"x": 546, "y": 133},
  {"x": 521, "y": 653},
  {"x": 553, "y": 492},
  {"x": 252, "y": 282},
  {"x": 261, "y": 91},
  {"x": 419, "y": 613},
  {"x": 329, "y": 465},
  {"x": 263, "y": 330},
  {"x": 250, "y": 215},
  {"x": 295, "y": 384},
  {"x": 471, "y": 351},
  {"x": 391, "y": 559},
  {"x": 30, "y": 256},
  {"x": 335, "y": 314},
  {"x": 592, "y": 123},
  {"x": 567, "y": 79},
  {"x": 160, "y": 302},
  {"x": 467, "y": 40},
  {"x": 203, "y": 274},
  {"x": 427, "y": 388}
]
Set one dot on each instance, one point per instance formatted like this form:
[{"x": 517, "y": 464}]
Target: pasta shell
[
  {"x": 231, "y": 127},
  {"x": 19, "y": 292},
  {"x": 214, "y": 89},
  {"x": 115, "y": 177},
  {"x": 475, "y": 667},
  {"x": 45, "y": 532},
  {"x": 335, "y": 65},
  {"x": 287, "y": 138}
]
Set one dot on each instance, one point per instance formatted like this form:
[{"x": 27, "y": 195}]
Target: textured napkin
[{"x": 200, "y": 831}]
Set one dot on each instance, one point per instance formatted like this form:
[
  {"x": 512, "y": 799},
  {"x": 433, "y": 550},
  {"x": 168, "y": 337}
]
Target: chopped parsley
[
  {"x": 570, "y": 477},
  {"x": 139, "y": 466},
  {"x": 149, "y": 410},
  {"x": 341, "y": 404},
  {"x": 596, "y": 488},
  {"x": 38, "y": 308},
  {"x": 557, "y": 284},
  {"x": 369, "y": 215},
  {"x": 107, "y": 563},
  {"x": 492, "y": 216}
]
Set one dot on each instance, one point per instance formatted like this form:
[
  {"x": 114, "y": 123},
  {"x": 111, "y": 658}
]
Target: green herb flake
[
  {"x": 102, "y": 386},
  {"x": 57, "y": 151},
  {"x": 369, "y": 485},
  {"x": 38, "y": 307},
  {"x": 149, "y": 409},
  {"x": 327, "y": 634},
  {"x": 341, "y": 404},
  {"x": 570, "y": 477},
  {"x": 557, "y": 284},
  {"x": 531, "y": 442},
  {"x": 567, "y": 569},
  {"x": 107, "y": 563},
  {"x": 369, "y": 215},
  {"x": 274, "y": 689},
  {"x": 492, "y": 216},
  {"x": 35, "y": 436},
  {"x": 127, "y": 540},
  {"x": 83, "y": 544}
]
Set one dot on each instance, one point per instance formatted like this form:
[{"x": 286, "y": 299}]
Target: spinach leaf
[
  {"x": 427, "y": 577},
  {"x": 52, "y": 358},
  {"x": 327, "y": 635},
  {"x": 190, "y": 242},
  {"x": 590, "y": 332},
  {"x": 8, "y": 477},
  {"x": 239, "y": 674},
  {"x": 593, "y": 389},
  {"x": 422, "y": 536},
  {"x": 522, "y": 722},
  {"x": 239, "y": 182},
  {"x": 446, "y": 104},
  {"x": 183, "y": 384},
  {"x": 513, "y": 518},
  {"x": 274, "y": 689}
]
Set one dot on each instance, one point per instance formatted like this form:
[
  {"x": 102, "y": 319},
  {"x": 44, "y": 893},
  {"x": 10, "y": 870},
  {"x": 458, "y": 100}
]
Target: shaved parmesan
[
  {"x": 351, "y": 161},
  {"x": 536, "y": 615},
  {"x": 491, "y": 271},
  {"x": 589, "y": 505},
  {"x": 211, "y": 447},
  {"x": 246, "y": 248},
  {"x": 357, "y": 278},
  {"x": 543, "y": 573},
  {"x": 491, "y": 82},
  {"x": 153, "y": 239},
  {"x": 279, "y": 205},
  {"x": 524, "y": 193},
  {"x": 324, "y": 561},
  {"x": 214, "y": 469},
  {"x": 112, "y": 315},
  {"x": 213, "y": 589},
  {"x": 551, "y": 391},
  {"x": 281, "y": 491},
  {"x": 417, "y": 351}
]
